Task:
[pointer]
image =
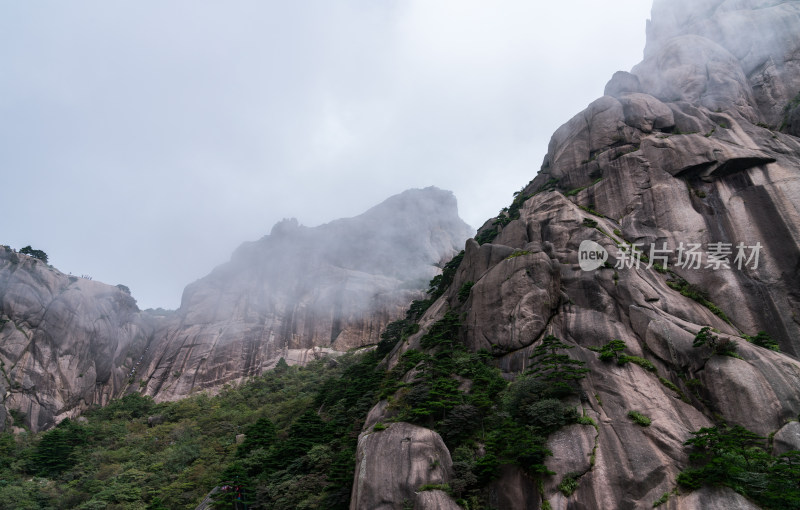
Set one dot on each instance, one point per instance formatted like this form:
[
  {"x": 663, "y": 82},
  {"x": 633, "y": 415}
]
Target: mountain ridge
[
  {"x": 71, "y": 342},
  {"x": 692, "y": 147}
]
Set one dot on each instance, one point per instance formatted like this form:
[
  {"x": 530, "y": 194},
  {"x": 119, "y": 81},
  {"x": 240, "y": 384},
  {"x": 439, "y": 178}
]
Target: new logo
[{"x": 591, "y": 255}]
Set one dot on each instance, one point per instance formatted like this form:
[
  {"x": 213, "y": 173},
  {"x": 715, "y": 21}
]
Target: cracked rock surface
[{"x": 696, "y": 145}]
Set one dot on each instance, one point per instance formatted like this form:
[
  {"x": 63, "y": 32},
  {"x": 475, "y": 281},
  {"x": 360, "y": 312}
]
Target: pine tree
[
  {"x": 37, "y": 254},
  {"x": 612, "y": 350},
  {"x": 557, "y": 369},
  {"x": 57, "y": 448},
  {"x": 261, "y": 434}
]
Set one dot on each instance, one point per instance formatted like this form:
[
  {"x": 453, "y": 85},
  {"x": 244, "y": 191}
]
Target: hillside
[
  {"x": 624, "y": 335},
  {"x": 67, "y": 343},
  {"x": 617, "y": 364}
]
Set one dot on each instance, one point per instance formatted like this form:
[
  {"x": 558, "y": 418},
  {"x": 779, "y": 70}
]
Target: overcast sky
[{"x": 142, "y": 141}]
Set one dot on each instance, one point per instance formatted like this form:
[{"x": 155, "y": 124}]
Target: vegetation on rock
[
  {"x": 300, "y": 426},
  {"x": 37, "y": 254},
  {"x": 737, "y": 458}
]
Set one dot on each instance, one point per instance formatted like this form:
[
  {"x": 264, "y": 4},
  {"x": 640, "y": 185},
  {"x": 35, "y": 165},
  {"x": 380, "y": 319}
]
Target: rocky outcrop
[
  {"x": 392, "y": 465},
  {"x": 298, "y": 294},
  {"x": 65, "y": 342},
  {"x": 692, "y": 147}
]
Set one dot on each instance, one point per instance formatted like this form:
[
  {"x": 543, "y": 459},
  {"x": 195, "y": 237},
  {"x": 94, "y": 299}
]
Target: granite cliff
[
  {"x": 300, "y": 292},
  {"x": 660, "y": 243},
  {"x": 695, "y": 150},
  {"x": 69, "y": 342}
]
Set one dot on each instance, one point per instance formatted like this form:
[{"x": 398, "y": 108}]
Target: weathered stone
[
  {"x": 418, "y": 457},
  {"x": 700, "y": 156},
  {"x": 299, "y": 294},
  {"x": 710, "y": 498},
  {"x": 65, "y": 342},
  {"x": 303, "y": 293},
  {"x": 792, "y": 120},
  {"x": 787, "y": 438},
  {"x": 622, "y": 83},
  {"x": 697, "y": 70},
  {"x": 513, "y": 490},
  {"x": 434, "y": 500},
  {"x": 154, "y": 420},
  {"x": 645, "y": 113},
  {"x": 682, "y": 154}
]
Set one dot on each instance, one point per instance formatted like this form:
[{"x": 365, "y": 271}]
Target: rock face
[
  {"x": 67, "y": 342},
  {"x": 301, "y": 292},
  {"x": 392, "y": 464},
  {"x": 695, "y": 146}
]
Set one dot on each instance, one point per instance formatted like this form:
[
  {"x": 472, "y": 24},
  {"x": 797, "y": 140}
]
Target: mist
[{"x": 142, "y": 143}]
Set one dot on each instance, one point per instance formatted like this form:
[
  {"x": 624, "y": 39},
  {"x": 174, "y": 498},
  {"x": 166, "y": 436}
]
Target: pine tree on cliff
[{"x": 557, "y": 369}]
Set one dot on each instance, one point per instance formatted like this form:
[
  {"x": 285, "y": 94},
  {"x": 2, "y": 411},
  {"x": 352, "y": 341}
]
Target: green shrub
[
  {"x": 590, "y": 210},
  {"x": 439, "y": 284},
  {"x": 588, "y": 222},
  {"x": 695, "y": 293},
  {"x": 645, "y": 364},
  {"x": 378, "y": 427},
  {"x": 612, "y": 350},
  {"x": 261, "y": 434},
  {"x": 18, "y": 417},
  {"x": 669, "y": 384},
  {"x": 727, "y": 347},
  {"x": 487, "y": 235},
  {"x": 556, "y": 369},
  {"x": 443, "y": 332},
  {"x": 37, "y": 254},
  {"x": 639, "y": 418},
  {"x": 575, "y": 191},
  {"x": 463, "y": 292},
  {"x": 703, "y": 337},
  {"x": 434, "y": 487},
  {"x": 57, "y": 449},
  {"x": 518, "y": 253},
  {"x": 549, "y": 414},
  {"x": 660, "y": 501},
  {"x": 393, "y": 333},
  {"x": 737, "y": 458},
  {"x": 721, "y": 346},
  {"x": 762, "y": 339},
  {"x": 569, "y": 484}
]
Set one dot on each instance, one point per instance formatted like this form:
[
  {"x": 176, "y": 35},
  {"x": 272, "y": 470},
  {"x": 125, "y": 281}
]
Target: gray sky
[{"x": 142, "y": 141}]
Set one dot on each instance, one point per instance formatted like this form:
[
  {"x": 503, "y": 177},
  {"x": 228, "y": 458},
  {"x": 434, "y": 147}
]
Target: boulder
[
  {"x": 393, "y": 464},
  {"x": 787, "y": 438}
]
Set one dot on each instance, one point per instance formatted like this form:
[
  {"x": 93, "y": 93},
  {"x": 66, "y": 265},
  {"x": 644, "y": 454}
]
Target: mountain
[
  {"x": 302, "y": 291},
  {"x": 695, "y": 152},
  {"x": 67, "y": 342},
  {"x": 64, "y": 340},
  {"x": 624, "y": 335}
]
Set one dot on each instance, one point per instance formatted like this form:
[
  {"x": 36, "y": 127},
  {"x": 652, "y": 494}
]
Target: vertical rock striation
[
  {"x": 697, "y": 145},
  {"x": 65, "y": 342},
  {"x": 68, "y": 342},
  {"x": 300, "y": 292}
]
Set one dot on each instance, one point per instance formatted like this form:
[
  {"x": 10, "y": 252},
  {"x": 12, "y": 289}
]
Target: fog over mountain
[
  {"x": 141, "y": 143},
  {"x": 658, "y": 368}
]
